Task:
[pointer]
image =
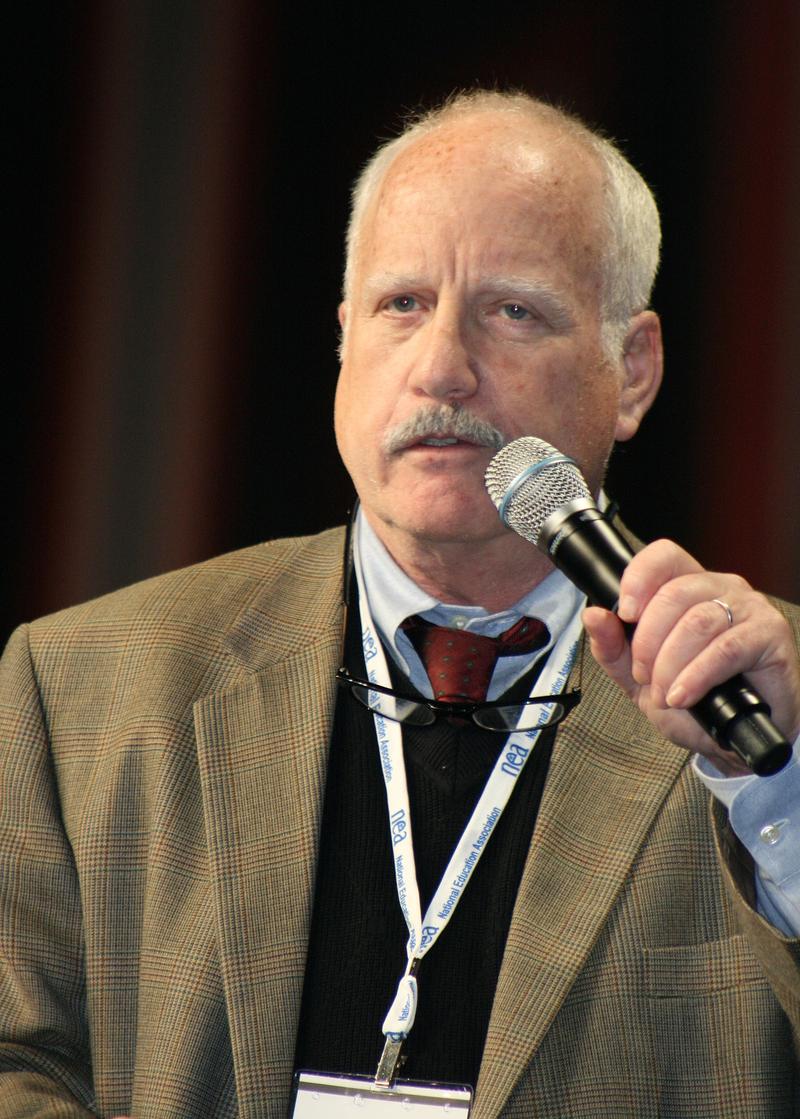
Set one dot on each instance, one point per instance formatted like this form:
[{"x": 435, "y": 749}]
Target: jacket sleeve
[
  {"x": 45, "y": 1066},
  {"x": 778, "y": 955}
]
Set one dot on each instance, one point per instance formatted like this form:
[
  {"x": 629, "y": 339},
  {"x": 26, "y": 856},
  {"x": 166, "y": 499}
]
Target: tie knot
[
  {"x": 525, "y": 636},
  {"x": 459, "y": 664}
]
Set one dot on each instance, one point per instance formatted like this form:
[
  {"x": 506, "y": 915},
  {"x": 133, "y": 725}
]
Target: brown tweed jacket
[{"x": 162, "y": 764}]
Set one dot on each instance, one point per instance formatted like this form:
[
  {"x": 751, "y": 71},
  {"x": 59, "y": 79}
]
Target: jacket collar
[{"x": 296, "y": 609}]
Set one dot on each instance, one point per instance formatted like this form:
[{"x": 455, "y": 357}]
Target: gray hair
[{"x": 633, "y": 233}]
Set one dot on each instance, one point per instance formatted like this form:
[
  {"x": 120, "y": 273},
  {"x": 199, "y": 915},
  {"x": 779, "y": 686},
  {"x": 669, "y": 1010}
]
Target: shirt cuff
[{"x": 764, "y": 812}]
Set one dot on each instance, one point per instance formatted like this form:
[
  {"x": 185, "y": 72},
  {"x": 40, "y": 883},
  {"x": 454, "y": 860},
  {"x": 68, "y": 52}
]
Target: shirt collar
[{"x": 393, "y": 597}]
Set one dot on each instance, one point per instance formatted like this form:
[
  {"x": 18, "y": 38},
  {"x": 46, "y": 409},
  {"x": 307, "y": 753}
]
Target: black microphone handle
[{"x": 593, "y": 555}]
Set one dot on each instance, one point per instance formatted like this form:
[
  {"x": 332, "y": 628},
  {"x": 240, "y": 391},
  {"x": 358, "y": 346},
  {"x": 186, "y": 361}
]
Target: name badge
[{"x": 317, "y": 1095}]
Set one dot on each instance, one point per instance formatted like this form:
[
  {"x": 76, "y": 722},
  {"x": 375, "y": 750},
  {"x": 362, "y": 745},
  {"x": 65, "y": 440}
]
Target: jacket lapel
[
  {"x": 262, "y": 748},
  {"x": 609, "y": 774}
]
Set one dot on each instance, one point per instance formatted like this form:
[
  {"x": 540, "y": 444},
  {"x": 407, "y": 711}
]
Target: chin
[{"x": 451, "y": 526}]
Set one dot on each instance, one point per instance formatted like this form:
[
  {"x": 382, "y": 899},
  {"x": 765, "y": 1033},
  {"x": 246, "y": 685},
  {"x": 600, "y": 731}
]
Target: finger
[
  {"x": 611, "y": 651},
  {"x": 754, "y": 647},
  {"x": 703, "y": 650},
  {"x": 648, "y": 571},
  {"x": 681, "y": 619},
  {"x": 610, "y": 646}
]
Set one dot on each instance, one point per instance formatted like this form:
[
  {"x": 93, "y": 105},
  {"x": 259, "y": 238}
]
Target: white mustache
[{"x": 442, "y": 420}]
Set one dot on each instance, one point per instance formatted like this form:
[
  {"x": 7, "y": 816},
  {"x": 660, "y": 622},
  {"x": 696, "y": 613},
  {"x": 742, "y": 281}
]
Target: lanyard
[{"x": 425, "y": 929}]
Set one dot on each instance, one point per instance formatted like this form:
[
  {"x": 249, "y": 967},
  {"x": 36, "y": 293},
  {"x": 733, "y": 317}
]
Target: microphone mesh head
[{"x": 528, "y": 480}]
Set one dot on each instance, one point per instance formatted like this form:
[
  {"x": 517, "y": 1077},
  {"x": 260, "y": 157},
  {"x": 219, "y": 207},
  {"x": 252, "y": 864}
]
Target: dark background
[{"x": 182, "y": 206}]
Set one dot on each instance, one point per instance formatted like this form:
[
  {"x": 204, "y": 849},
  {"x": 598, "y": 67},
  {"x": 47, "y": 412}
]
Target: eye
[
  {"x": 403, "y": 304},
  {"x": 515, "y": 311}
]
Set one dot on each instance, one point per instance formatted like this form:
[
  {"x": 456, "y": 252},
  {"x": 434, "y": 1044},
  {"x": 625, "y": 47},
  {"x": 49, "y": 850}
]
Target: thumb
[{"x": 610, "y": 646}]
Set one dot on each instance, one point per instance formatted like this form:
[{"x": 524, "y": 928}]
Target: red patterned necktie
[{"x": 460, "y": 664}]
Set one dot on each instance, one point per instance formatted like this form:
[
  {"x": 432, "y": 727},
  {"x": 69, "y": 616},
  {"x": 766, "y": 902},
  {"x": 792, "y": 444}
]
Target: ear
[
  {"x": 342, "y": 316},
  {"x": 643, "y": 365}
]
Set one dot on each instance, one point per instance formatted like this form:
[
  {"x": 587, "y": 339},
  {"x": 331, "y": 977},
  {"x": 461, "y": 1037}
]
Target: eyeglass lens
[{"x": 522, "y": 716}]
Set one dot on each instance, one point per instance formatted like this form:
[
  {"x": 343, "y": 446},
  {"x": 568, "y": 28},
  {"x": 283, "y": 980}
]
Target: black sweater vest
[{"x": 358, "y": 936}]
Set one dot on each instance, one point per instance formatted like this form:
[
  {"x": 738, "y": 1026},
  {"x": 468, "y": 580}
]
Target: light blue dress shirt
[{"x": 764, "y": 811}]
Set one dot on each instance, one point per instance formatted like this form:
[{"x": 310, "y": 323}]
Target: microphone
[{"x": 541, "y": 494}]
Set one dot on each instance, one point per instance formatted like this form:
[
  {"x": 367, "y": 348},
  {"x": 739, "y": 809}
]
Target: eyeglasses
[
  {"x": 530, "y": 714},
  {"x": 537, "y": 712}
]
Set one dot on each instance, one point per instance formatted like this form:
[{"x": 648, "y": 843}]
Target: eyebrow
[{"x": 381, "y": 282}]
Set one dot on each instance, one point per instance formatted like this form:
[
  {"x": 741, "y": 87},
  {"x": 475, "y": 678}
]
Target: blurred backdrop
[{"x": 182, "y": 213}]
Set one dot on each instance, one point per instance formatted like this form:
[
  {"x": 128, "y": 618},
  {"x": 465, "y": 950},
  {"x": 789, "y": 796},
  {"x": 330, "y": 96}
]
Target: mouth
[
  {"x": 442, "y": 427},
  {"x": 440, "y": 441}
]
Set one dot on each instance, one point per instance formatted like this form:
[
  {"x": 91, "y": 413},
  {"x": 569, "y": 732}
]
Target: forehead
[{"x": 512, "y": 190}]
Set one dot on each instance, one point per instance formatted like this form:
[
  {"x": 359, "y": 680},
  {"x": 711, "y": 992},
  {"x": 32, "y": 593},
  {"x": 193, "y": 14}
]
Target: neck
[{"x": 493, "y": 573}]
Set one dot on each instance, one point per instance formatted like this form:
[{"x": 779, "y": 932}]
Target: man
[{"x": 198, "y": 893}]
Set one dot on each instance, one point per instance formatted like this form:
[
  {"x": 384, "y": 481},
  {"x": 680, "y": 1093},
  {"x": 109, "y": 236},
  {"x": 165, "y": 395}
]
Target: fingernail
[
  {"x": 676, "y": 696},
  {"x": 627, "y": 608},
  {"x": 639, "y": 672}
]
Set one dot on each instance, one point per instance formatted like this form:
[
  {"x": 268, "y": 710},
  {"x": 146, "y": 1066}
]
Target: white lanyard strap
[{"x": 424, "y": 930}]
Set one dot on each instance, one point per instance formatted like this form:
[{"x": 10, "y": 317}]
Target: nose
[{"x": 444, "y": 367}]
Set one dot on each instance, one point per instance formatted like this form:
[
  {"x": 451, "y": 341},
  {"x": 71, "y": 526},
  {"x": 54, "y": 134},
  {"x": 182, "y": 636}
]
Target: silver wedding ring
[{"x": 726, "y": 608}]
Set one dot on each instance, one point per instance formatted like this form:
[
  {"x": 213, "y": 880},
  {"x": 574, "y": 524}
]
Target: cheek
[
  {"x": 541, "y": 389},
  {"x": 343, "y": 416},
  {"x": 573, "y": 405},
  {"x": 593, "y": 399},
  {"x": 370, "y": 388},
  {"x": 358, "y": 420}
]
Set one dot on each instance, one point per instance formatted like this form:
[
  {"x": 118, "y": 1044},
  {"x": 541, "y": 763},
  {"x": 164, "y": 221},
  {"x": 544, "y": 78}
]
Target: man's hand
[{"x": 684, "y": 644}]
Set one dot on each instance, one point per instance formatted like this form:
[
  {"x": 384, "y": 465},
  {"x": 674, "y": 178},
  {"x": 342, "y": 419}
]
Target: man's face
[{"x": 476, "y": 291}]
